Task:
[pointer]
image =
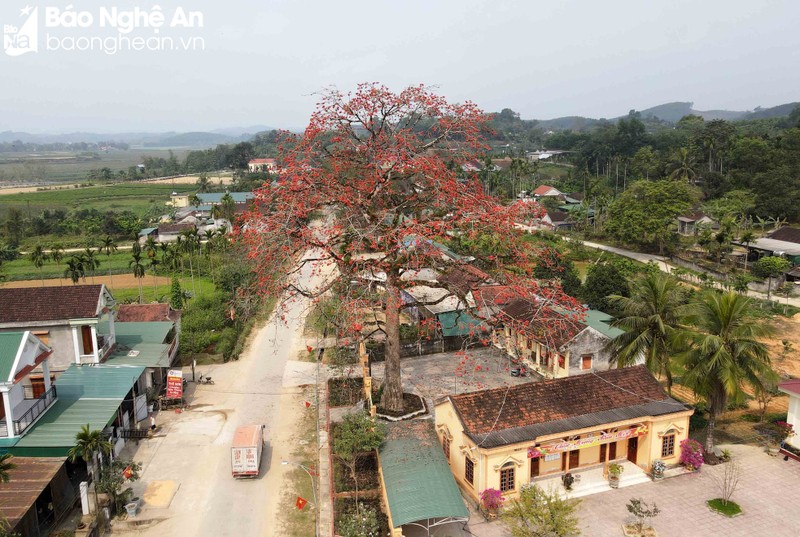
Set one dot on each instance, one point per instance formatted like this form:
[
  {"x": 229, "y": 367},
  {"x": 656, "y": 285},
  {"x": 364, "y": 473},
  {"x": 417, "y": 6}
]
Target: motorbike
[
  {"x": 520, "y": 371},
  {"x": 204, "y": 380}
]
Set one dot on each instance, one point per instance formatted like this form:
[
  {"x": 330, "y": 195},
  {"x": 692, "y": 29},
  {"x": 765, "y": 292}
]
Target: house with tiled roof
[
  {"x": 262, "y": 165},
  {"x": 25, "y": 395},
  {"x": 508, "y": 438},
  {"x": 76, "y": 321},
  {"x": 543, "y": 191},
  {"x": 792, "y": 389},
  {"x": 691, "y": 222},
  {"x": 554, "y": 343}
]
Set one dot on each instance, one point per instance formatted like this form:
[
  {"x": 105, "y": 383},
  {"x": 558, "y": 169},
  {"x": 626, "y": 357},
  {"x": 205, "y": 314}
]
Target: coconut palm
[
  {"x": 109, "y": 247},
  {"x": 5, "y": 466},
  {"x": 56, "y": 253},
  {"x": 683, "y": 165},
  {"x": 75, "y": 269},
  {"x": 188, "y": 245},
  {"x": 39, "y": 257},
  {"x": 746, "y": 238},
  {"x": 724, "y": 351},
  {"x": 650, "y": 318},
  {"x": 138, "y": 272},
  {"x": 150, "y": 247},
  {"x": 88, "y": 444}
]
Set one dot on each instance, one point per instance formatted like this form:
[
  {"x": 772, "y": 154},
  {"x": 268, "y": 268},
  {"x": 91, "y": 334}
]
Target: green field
[
  {"x": 161, "y": 293},
  {"x": 60, "y": 167},
  {"x": 136, "y": 197},
  {"x": 23, "y": 269}
]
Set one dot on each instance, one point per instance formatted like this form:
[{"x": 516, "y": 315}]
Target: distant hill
[
  {"x": 782, "y": 110},
  {"x": 194, "y": 139}
]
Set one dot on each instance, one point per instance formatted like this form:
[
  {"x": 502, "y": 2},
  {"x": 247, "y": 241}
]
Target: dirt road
[{"x": 194, "y": 451}]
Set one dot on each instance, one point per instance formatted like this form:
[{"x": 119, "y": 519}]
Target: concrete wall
[
  {"x": 591, "y": 342},
  {"x": 793, "y": 418},
  {"x": 59, "y": 338}
]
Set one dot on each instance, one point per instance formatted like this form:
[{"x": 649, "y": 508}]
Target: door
[
  {"x": 612, "y": 451},
  {"x": 603, "y": 452},
  {"x": 574, "y": 458},
  {"x": 140, "y": 407},
  {"x": 535, "y": 467},
  {"x": 86, "y": 336},
  {"x": 633, "y": 447}
]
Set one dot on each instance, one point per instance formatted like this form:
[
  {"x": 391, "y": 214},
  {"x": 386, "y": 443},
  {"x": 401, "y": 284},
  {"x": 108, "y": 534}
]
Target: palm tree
[
  {"x": 154, "y": 262},
  {"x": 88, "y": 443},
  {"x": 724, "y": 351},
  {"x": 39, "y": 257},
  {"x": 90, "y": 261},
  {"x": 5, "y": 466},
  {"x": 746, "y": 238},
  {"x": 188, "y": 244},
  {"x": 57, "y": 253},
  {"x": 138, "y": 272},
  {"x": 203, "y": 184},
  {"x": 109, "y": 247},
  {"x": 683, "y": 165},
  {"x": 650, "y": 318},
  {"x": 150, "y": 247},
  {"x": 75, "y": 269}
]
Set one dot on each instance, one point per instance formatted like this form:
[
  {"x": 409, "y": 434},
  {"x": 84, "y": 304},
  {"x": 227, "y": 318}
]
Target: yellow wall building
[{"x": 508, "y": 437}]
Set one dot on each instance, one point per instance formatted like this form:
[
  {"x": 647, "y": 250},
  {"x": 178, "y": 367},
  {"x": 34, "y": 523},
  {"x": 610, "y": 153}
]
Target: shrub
[
  {"x": 492, "y": 499},
  {"x": 691, "y": 454},
  {"x": 362, "y": 522},
  {"x": 658, "y": 468}
]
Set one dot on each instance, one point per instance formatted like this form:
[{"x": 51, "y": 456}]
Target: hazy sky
[{"x": 262, "y": 61}]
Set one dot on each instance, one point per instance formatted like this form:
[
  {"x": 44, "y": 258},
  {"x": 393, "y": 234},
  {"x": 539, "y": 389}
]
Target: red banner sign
[
  {"x": 590, "y": 441},
  {"x": 174, "y": 384}
]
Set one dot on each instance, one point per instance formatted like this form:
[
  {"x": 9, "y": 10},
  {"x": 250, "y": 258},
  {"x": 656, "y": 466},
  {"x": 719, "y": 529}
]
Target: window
[
  {"x": 586, "y": 361},
  {"x": 561, "y": 361},
  {"x": 507, "y": 478},
  {"x": 446, "y": 447},
  {"x": 668, "y": 445},
  {"x": 469, "y": 470}
]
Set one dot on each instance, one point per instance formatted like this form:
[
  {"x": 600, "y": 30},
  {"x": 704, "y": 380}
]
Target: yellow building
[{"x": 506, "y": 438}]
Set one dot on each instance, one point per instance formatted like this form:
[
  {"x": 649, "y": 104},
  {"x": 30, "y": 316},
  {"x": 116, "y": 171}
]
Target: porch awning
[
  {"x": 86, "y": 394},
  {"x": 419, "y": 486}
]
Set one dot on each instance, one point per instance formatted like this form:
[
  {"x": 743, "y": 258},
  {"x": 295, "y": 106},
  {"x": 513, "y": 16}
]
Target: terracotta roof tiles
[{"x": 30, "y": 304}]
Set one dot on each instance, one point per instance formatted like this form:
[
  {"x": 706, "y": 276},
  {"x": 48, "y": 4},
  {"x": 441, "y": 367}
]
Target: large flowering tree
[{"x": 384, "y": 169}]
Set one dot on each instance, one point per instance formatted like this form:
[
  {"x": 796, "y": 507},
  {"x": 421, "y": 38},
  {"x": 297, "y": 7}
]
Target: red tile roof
[
  {"x": 497, "y": 295},
  {"x": 546, "y": 326},
  {"x": 792, "y": 385},
  {"x": 541, "y": 190},
  {"x": 144, "y": 313},
  {"x": 262, "y": 161},
  {"x": 787, "y": 234},
  {"x": 175, "y": 228},
  {"x": 557, "y": 399},
  {"x": 463, "y": 278},
  {"x": 30, "y": 304}
]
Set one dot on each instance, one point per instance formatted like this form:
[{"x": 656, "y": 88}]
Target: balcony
[{"x": 35, "y": 408}]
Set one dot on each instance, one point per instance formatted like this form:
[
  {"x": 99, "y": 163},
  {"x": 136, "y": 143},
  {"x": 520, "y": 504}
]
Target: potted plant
[
  {"x": 658, "y": 469},
  {"x": 492, "y": 500},
  {"x": 691, "y": 454},
  {"x": 614, "y": 471}
]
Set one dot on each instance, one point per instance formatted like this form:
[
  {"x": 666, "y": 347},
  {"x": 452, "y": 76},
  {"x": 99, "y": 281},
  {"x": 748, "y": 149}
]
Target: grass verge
[
  {"x": 729, "y": 508},
  {"x": 300, "y": 522}
]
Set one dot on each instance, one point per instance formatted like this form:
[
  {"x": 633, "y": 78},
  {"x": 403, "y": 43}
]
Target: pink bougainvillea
[
  {"x": 691, "y": 454},
  {"x": 492, "y": 499}
]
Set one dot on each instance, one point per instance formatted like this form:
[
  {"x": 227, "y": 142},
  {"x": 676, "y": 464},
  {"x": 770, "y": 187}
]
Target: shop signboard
[
  {"x": 589, "y": 441},
  {"x": 174, "y": 384}
]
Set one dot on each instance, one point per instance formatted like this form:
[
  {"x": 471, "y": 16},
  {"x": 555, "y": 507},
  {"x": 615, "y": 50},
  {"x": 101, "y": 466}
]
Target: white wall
[{"x": 794, "y": 420}]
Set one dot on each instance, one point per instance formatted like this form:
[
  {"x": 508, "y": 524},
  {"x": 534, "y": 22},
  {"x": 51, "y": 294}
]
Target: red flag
[
  {"x": 310, "y": 349},
  {"x": 308, "y": 404},
  {"x": 300, "y": 503},
  {"x": 127, "y": 472}
]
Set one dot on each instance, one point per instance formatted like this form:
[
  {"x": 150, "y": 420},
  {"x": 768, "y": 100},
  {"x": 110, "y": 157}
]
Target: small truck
[{"x": 248, "y": 442}]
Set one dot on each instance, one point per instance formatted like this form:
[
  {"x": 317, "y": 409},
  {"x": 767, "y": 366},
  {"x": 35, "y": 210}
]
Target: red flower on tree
[{"x": 381, "y": 167}]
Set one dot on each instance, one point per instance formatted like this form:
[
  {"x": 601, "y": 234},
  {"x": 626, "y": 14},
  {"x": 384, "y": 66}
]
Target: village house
[
  {"x": 25, "y": 396},
  {"x": 171, "y": 232},
  {"x": 75, "y": 321},
  {"x": 545, "y": 191},
  {"x": 783, "y": 242},
  {"x": 691, "y": 223},
  {"x": 535, "y": 433},
  {"x": 262, "y": 165},
  {"x": 554, "y": 344},
  {"x": 792, "y": 389}
]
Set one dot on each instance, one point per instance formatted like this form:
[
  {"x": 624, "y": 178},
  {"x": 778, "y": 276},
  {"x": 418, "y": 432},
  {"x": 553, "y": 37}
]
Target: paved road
[
  {"x": 195, "y": 448},
  {"x": 664, "y": 266}
]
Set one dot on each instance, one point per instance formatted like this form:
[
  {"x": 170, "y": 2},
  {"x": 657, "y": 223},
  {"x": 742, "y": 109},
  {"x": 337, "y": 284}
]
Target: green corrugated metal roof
[
  {"x": 459, "y": 323},
  {"x": 601, "y": 322},
  {"x": 418, "y": 481},
  {"x": 146, "y": 338},
  {"x": 10, "y": 343},
  {"x": 148, "y": 332},
  {"x": 86, "y": 394}
]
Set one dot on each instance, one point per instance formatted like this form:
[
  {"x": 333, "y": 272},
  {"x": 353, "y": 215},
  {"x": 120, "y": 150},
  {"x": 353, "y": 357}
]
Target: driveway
[
  {"x": 766, "y": 494},
  {"x": 192, "y": 449}
]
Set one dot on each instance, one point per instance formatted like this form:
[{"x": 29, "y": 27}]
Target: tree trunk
[
  {"x": 392, "y": 379},
  {"x": 712, "y": 422}
]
